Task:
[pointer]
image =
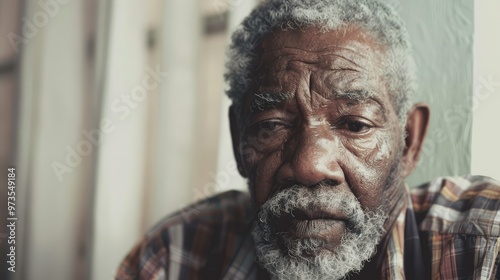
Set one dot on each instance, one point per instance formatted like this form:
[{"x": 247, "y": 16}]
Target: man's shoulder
[
  {"x": 458, "y": 205},
  {"x": 191, "y": 238}
]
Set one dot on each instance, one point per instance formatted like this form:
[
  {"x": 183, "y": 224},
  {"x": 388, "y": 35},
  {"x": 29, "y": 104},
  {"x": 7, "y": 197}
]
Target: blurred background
[{"x": 113, "y": 114}]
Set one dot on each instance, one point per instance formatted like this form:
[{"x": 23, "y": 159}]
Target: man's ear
[
  {"x": 235, "y": 136},
  {"x": 416, "y": 130}
]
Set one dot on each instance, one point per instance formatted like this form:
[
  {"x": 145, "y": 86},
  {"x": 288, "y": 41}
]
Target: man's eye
[
  {"x": 270, "y": 125},
  {"x": 355, "y": 126}
]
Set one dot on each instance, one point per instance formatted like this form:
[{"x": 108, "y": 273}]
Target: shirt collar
[{"x": 403, "y": 256}]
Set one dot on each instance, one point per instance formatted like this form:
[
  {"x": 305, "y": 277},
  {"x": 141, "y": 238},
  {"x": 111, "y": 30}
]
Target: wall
[
  {"x": 442, "y": 36},
  {"x": 485, "y": 148}
]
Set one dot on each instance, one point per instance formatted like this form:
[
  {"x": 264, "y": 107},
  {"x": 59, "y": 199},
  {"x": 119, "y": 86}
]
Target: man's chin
[
  {"x": 326, "y": 235},
  {"x": 322, "y": 250},
  {"x": 287, "y": 257}
]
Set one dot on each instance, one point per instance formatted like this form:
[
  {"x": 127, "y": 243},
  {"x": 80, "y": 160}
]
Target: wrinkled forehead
[
  {"x": 339, "y": 63},
  {"x": 340, "y": 48}
]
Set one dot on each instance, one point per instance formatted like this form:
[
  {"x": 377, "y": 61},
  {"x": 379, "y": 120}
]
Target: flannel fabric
[{"x": 449, "y": 229}]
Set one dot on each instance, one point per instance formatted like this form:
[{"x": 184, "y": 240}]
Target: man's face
[{"x": 319, "y": 120}]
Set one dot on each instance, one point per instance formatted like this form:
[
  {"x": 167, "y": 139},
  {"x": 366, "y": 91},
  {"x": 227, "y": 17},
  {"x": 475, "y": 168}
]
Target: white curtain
[{"x": 52, "y": 164}]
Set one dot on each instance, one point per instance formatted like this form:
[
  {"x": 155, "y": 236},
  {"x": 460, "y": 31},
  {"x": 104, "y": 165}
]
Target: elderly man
[{"x": 324, "y": 130}]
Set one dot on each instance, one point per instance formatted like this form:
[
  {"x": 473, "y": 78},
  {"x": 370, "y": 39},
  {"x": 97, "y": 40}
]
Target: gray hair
[{"x": 377, "y": 18}]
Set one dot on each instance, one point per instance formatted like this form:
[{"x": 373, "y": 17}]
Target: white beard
[{"x": 358, "y": 243}]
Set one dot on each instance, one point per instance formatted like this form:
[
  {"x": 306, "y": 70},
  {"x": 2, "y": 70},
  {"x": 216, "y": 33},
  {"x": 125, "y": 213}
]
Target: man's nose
[{"x": 312, "y": 158}]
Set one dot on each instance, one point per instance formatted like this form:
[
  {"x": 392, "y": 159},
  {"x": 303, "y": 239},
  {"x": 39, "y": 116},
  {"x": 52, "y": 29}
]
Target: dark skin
[{"x": 318, "y": 112}]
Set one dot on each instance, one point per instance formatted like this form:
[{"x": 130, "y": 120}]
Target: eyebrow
[
  {"x": 357, "y": 94},
  {"x": 266, "y": 100},
  {"x": 360, "y": 95}
]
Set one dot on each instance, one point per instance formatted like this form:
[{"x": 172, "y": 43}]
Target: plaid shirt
[{"x": 450, "y": 229}]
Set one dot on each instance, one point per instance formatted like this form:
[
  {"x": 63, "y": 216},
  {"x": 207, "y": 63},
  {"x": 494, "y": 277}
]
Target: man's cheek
[
  {"x": 383, "y": 154},
  {"x": 248, "y": 154},
  {"x": 359, "y": 146},
  {"x": 264, "y": 171},
  {"x": 376, "y": 151},
  {"x": 252, "y": 157},
  {"x": 256, "y": 148},
  {"x": 366, "y": 179},
  {"x": 368, "y": 190},
  {"x": 265, "y": 142}
]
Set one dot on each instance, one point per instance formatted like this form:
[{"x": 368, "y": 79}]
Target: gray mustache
[{"x": 323, "y": 201}]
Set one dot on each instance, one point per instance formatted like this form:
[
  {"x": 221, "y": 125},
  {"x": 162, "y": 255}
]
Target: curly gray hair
[{"x": 376, "y": 17}]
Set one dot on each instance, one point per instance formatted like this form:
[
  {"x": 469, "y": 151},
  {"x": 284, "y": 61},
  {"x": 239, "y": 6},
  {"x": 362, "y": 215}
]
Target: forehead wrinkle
[
  {"x": 347, "y": 58},
  {"x": 343, "y": 57},
  {"x": 325, "y": 61},
  {"x": 328, "y": 50},
  {"x": 344, "y": 51}
]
